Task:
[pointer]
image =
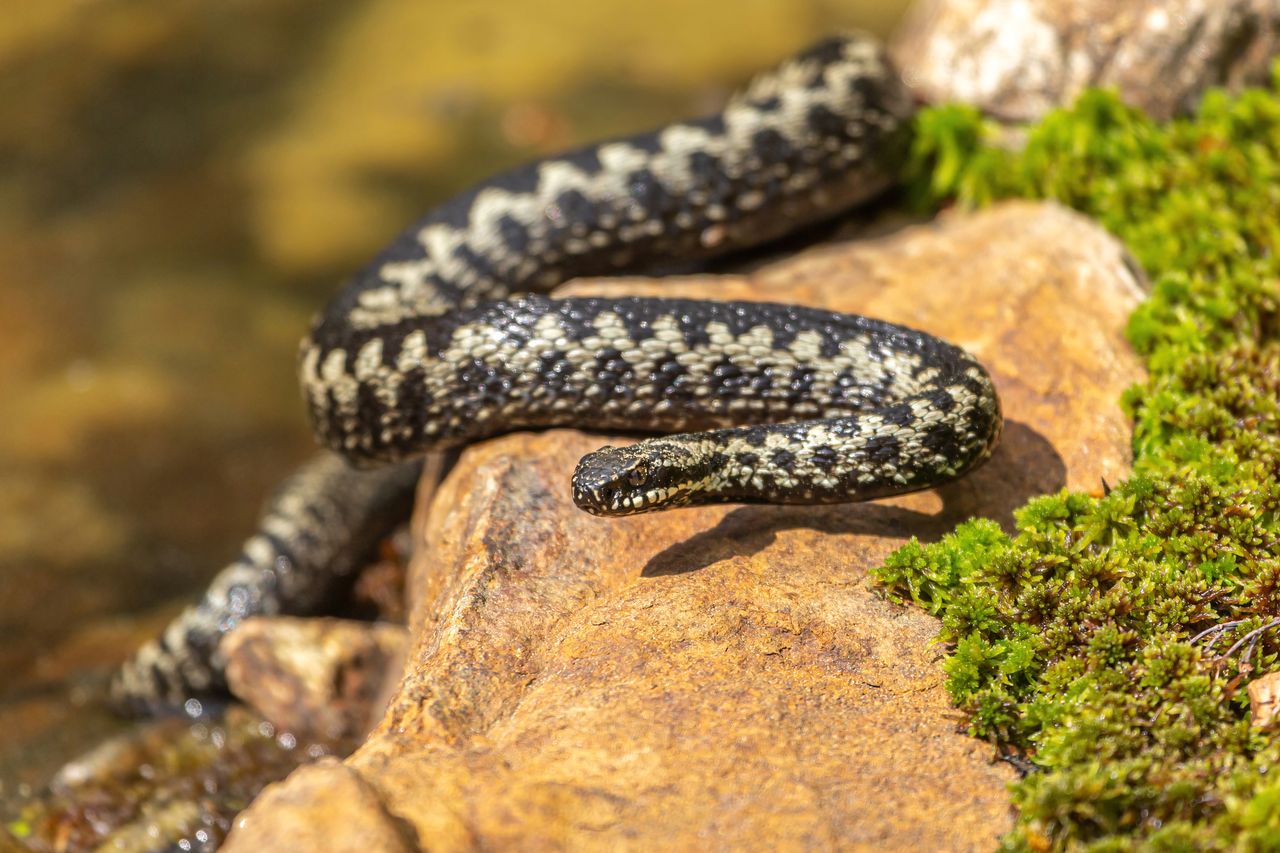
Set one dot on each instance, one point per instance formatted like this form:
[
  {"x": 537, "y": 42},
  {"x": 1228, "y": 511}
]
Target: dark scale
[
  {"x": 825, "y": 123},
  {"x": 941, "y": 401},
  {"x": 514, "y": 234},
  {"x": 882, "y": 449},
  {"x": 762, "y": 384},
  {"x": 940, "y": 438},
  {"x": 728, "y": 381},
  {"x": 710, "y": 180},
  {"x": 569, "y": 208},
  {"x": 650, "y": 194},
  {"x": 784, "y": 459},
  {"x": 825, "y": 457},
  {"x": 800, "y": 383},
  {"x": 538, "y": 225}
]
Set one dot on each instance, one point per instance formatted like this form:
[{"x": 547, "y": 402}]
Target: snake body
[{"x": 441, "y": 341}]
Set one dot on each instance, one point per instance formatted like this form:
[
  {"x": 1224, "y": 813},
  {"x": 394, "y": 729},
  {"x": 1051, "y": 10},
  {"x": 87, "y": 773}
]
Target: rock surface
[
  {"x": 318, "y": 677},
  {"x": 1017, "y": 59},
  {"x": 362, "y": 826},
  {"x": 727, "y": 677}
]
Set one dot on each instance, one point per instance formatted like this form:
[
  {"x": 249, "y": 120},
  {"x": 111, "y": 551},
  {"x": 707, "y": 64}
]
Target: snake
[{"x": 447, "y": 337}]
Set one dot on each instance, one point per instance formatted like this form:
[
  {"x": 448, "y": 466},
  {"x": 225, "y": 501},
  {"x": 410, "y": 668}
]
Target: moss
[{"x": 1109, "y": 641}]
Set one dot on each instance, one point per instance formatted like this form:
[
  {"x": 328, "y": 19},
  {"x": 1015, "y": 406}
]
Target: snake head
[{"x": 644, "y": 477}]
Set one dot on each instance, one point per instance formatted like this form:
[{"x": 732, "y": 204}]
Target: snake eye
[{"x": 637, "y": 476}]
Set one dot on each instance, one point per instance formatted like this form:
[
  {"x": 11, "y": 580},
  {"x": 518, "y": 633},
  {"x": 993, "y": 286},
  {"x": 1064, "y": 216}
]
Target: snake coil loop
[{"x": 431, "y": 346}]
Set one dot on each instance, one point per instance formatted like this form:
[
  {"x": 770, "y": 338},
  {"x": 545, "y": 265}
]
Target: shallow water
[{"x": 181, "y": 185}]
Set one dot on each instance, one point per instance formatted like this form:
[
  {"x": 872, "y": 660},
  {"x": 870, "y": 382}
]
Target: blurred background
[{"x": 182, "y": 184}]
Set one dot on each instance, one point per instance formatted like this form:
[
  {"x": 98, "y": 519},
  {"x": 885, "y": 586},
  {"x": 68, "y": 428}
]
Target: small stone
[
  {"x": 319, "y": 677},
  {"x": 283, "y": 817},
  {"x": 1018, "y": 59},
  {"x": 1264, "y": 700}
]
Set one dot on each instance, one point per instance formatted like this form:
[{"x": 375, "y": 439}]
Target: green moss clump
[{"x": 1110, "y": 640}]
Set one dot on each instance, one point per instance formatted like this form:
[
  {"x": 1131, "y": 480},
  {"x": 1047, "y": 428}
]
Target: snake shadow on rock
[{"x": 1024, "y": 465}]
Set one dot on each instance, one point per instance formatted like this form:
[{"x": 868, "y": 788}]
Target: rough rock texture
[
  {"x": 1017, "y": 59},
  {"x": 726, "y": 677},
  {"x": 319, "y": 677}
]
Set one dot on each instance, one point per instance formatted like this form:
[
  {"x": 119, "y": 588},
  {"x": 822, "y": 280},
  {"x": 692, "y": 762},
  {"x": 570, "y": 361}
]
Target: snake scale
[{"x": 441, "y": 340}]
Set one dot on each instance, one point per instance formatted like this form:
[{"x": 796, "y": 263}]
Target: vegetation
[{"x": 1111, "y": 640}]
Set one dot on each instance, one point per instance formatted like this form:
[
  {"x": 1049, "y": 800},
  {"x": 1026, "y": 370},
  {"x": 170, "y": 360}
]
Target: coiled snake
[{"x": 420, "y": 353}]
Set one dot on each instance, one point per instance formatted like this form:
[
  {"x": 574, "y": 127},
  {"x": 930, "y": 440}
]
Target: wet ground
[{"x": 181, "y": 185}]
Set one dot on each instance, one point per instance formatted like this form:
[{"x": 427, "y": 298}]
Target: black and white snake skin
[{"x": 424, "y": 350}]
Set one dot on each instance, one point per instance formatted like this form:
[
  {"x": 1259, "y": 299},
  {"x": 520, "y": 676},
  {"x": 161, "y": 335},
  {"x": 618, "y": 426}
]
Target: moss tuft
[{"x": 1111, "y": 639}]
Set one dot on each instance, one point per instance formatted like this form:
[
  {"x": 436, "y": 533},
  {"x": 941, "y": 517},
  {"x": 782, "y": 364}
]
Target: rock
[
  {"x": 282, "y": 818},
  {"x": 1264, "y": 700},
  {"x": 727, "y": 676},
  {"x": 1017, "y": 59},
  {"x": 379, "y": 589},
  {"x": 318, "y": 677}
]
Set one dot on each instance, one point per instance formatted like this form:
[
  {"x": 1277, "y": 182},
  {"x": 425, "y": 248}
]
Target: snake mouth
[
  {"x": 595, "y": 501},
  {"x": 606, "y": 500},
  {"x": 612, "y": 502}
]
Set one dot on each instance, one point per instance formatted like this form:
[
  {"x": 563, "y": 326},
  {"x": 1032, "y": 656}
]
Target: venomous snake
[{"x": 428, "y": 348}]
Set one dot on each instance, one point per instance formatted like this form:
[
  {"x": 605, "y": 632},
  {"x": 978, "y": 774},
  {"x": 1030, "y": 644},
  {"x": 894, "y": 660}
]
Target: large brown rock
[
  {"x": 1017, "y": 59},
  {"x": 727, "y": 677}
]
